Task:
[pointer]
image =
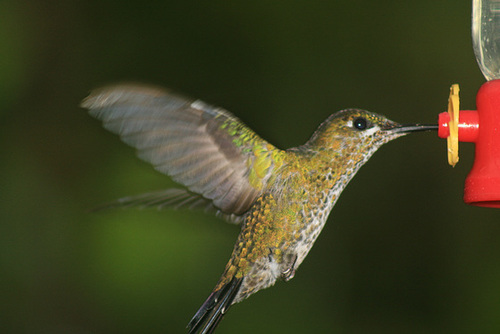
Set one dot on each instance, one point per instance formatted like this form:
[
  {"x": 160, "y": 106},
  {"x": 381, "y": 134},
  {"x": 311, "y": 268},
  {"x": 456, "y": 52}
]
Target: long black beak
[{"x": 406, "y": 128}]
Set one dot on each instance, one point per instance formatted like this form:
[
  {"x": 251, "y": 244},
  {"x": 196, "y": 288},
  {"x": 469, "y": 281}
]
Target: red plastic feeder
[{"x": 482, "y": 127}]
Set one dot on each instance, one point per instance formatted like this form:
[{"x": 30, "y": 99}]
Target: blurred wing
[
  {"x": 174, "y": 198},
  {"x": 205, "y": 148}
]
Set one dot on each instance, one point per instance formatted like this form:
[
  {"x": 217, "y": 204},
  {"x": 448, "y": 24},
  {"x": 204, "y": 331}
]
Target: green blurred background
[{"x": 401, "y": 252}]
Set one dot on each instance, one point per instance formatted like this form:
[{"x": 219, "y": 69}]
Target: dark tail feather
[{"x": 213, "y": 309}]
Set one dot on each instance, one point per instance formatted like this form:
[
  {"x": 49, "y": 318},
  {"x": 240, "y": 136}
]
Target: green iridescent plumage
[{"x": 281, "y": 198}]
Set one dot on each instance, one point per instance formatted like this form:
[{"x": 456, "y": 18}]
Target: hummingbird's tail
[{"x": 213, "y": 309}]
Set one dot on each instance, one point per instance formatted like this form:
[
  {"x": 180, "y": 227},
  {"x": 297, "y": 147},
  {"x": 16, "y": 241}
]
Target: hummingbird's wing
[
  {"x": 175, "y": 198},
  {"x": 205, "y": 148}
]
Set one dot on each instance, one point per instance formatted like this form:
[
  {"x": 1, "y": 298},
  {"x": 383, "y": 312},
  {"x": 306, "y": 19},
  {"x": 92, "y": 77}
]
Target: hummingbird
[{"x": 280, "y": 198}]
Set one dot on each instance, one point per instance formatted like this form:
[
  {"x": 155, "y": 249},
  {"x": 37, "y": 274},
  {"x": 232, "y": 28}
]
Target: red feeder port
[{"x": 482, "y": 185}]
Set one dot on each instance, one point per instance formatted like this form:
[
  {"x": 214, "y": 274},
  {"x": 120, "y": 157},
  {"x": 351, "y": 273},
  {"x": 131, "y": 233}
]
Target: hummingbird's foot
[{"x": 289, "y": 272}]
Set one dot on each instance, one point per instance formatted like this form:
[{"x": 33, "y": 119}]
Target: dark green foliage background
[{"x": 401, "y": 253}]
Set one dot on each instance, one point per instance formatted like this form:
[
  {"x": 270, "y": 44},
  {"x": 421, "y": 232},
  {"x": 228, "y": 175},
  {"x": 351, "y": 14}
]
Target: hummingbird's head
[{"x": 357, "y": 130}]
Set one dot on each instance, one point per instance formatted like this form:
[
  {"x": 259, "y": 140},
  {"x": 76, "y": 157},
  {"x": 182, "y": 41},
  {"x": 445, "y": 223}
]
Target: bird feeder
[{"x": 481, "y": 126}]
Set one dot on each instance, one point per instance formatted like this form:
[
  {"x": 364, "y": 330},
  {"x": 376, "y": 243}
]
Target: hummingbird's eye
[{"x": 360, "y": 123}]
